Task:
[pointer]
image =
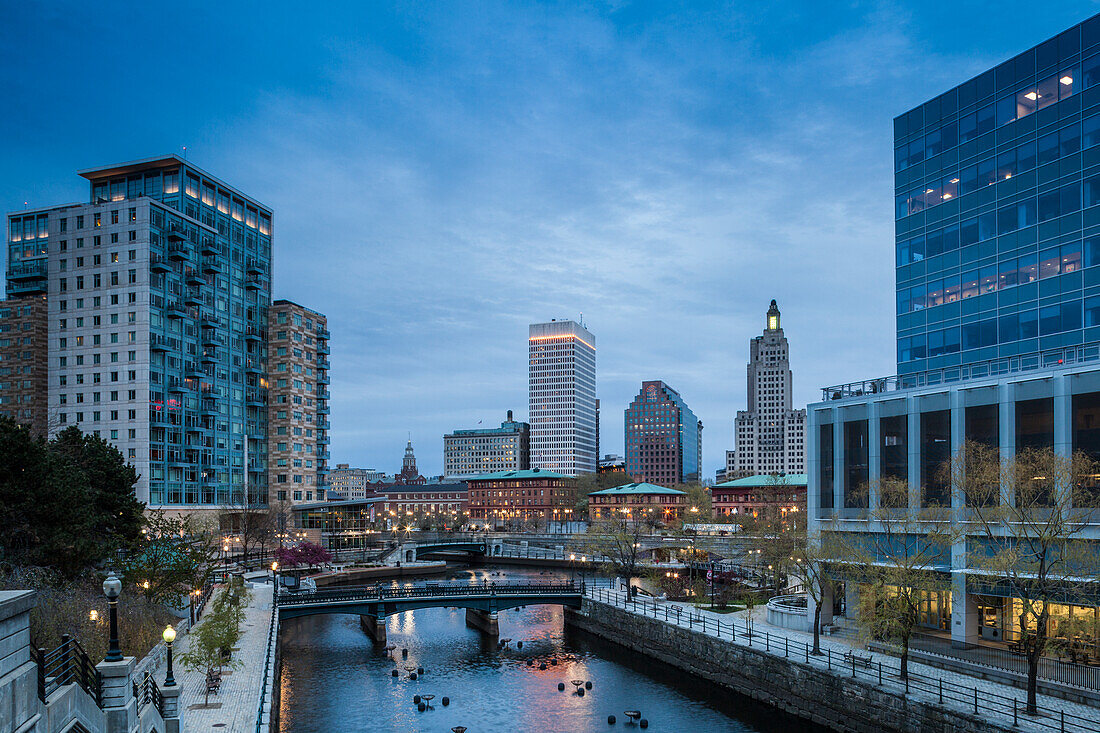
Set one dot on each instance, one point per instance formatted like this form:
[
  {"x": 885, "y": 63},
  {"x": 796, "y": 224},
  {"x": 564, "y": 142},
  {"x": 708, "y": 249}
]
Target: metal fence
[
  {"x": 269, "y": 658},
  {"x": 982, "y": 702},
  {"x": 383, "y": 593},
  {"x": 147, "y": 692},
  {"x": 67, "y": 664}
]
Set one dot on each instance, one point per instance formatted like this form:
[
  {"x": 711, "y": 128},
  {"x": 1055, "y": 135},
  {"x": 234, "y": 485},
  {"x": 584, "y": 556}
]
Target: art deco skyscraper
[
  {"x": 562, "y": 397},
  {"x": 770, "y": 436}
]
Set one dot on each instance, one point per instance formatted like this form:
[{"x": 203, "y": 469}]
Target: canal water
[{"x": 334, "y": 678}]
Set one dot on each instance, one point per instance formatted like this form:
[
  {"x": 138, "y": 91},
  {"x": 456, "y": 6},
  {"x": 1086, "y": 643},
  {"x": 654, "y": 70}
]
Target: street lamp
[
  {"x": 112, "y": 586},
  {"x": 169, "y": 635},
  {"x": 275, "y": 576}
]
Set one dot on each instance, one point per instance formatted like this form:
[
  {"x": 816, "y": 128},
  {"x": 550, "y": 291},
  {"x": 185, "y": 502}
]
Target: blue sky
[{"x": 444, "y": 174}]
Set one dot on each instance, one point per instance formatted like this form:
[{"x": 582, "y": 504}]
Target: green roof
[
  {"x": 532, "y": 473},
  {"x": 637, "y": 488},
  {"x": 765, "y": 479}
]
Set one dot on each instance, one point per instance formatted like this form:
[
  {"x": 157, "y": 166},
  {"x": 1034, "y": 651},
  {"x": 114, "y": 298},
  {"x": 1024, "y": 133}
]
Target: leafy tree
[
  {"x": 67, "y": 504},
  {"x": 1029, "y": 513},
  {"x": 218, "y": 631},
  {"x": 172, "y": 558},
  {"x": 698, "y": 507},
  {"x": 304, "y": 553},
  {"x": 589, "y": 482}
]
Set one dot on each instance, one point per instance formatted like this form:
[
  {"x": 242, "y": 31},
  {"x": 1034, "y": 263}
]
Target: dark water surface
[{"x": 333, "y": 678}]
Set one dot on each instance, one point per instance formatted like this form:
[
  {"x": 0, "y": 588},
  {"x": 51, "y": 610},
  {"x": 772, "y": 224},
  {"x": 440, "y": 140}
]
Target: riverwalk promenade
[
  {"x": 235, "y": 706},
  {"x": 999, "y": 704}
]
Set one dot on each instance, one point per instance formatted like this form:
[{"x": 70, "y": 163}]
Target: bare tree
[
  {"x": 810, "y": 564},
  {"x": 897, "y": 563},
  {"x": 618, "y": 544},
  {"x": 249, "y": 520},
  {"x": 1029, "y": 512}
]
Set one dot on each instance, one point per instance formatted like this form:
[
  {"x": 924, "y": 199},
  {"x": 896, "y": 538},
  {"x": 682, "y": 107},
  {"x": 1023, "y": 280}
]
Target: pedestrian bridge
[
  {"x": 411, "y": 552},
  {"x": 378, "y": 602}
]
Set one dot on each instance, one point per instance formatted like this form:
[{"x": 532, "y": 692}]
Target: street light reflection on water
[{"x": 334, "y": 678}]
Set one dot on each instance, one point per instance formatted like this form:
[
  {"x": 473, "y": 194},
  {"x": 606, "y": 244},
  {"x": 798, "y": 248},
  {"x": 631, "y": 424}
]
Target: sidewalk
[
  {"x": 234, "y": 707},
  {"x": 690, "y": 619}
]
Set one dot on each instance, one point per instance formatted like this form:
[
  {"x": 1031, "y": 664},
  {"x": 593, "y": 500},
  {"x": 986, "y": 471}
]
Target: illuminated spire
[{"x": 773, "y": 317}]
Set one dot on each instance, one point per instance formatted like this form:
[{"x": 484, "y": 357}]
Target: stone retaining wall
[{"x": 831, "y": 700}]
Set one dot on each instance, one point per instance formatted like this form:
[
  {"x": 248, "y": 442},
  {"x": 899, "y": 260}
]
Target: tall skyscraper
[
  {"x": 158, "y": 290},
  {"x": 298, "y": 407},
  {"x": 487, "y": 450},
  {"x": 769, "y": 436},
  {"x": 562, "y": 397},
  {"x": 997, "y": 238},
  {"x": 663, "y": 438}
]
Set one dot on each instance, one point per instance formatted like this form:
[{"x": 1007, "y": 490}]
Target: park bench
[
  {"x": 213, "y": 681},
  {"x": 858, "y": 660}
]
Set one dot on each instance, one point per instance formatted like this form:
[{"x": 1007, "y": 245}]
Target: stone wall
[{"x": 831, "y": 700}]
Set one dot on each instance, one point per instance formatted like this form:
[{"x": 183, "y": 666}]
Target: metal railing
[
  {"x": 67, "y": 664},
  {"x": 981, "y": 702},
  {"x": 452, "y": 590},
  {"x": 269, "y": 657},
  {"x": 1049, "y": 359},
  {"x": 147, "y": 692}
]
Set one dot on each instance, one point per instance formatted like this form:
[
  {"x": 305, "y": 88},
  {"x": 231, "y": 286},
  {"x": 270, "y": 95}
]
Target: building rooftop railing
[{"x": 1034, "y": 361}]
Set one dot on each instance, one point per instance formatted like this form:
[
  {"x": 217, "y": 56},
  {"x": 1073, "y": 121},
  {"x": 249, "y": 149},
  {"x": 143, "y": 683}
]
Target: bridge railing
[
  {"x": 68, "y": 663},
  {"x": 378, "y": 593}
]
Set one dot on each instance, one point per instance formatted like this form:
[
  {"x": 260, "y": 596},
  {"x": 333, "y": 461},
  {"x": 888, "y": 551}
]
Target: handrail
[
  {"x": 147, "y": 692},
  {"x": 271, "y": 642},
  {"x": 376, "y": 593},
  {"x": 980, "y": 701},
  {"x": 66, "y": 664}
]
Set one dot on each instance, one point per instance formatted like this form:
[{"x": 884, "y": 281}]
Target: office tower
[
  {"x": 158, "y": 289},
  {"x": 298, "y": 403},
  {"x": 998, "y": 314},
  {"x": 663, "y": 438},
  {"x": 352, "y": 483},
  {"x": 486, "y": 450},
  {"x": 24, "y": 360},
  {"x": 562, "y": 397},
  {"x": 769, "y": 435}
]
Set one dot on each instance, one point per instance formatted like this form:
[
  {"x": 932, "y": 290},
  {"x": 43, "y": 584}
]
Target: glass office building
[{"x": 997, "y": 186}]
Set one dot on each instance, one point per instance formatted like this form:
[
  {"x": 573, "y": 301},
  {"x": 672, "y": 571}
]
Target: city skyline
[{"x": 696, "y": 226}]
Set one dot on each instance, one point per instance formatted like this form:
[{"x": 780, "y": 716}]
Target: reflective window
[{"x": 935, "y": 452}]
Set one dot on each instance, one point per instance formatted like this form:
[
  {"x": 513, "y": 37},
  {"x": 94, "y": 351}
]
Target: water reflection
[{"x": 334, "y": 679}]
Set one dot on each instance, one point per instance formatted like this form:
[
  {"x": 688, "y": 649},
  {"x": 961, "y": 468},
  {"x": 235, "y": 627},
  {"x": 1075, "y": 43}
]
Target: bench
[
  {"x": 213, "y": 681},
  {"x": 858, "y": 660}
]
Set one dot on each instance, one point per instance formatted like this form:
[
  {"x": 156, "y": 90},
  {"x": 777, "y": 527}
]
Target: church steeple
[
  {"x": 408, "y": 465},
  {"x": 773, "y": 317}
]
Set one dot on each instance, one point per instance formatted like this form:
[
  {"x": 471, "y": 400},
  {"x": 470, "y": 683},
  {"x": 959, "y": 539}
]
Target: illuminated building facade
[
  {"x": 487, "y": 450},
  {"x": 755, "y": 494},
  {"x": 562, "y": 397},
  {"x": 637, "y": 502},
  {"x": 158, "y": 289},
  {"x": 512, "y": 497},
  {"x": 663, "y": 438}
]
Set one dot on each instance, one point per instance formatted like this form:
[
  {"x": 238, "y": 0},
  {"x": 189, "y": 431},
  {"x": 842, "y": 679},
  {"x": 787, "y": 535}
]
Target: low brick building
[
  {"x": 636, "y": 502},
  {"x": 409, "y": 504},
  {"x": 753, "y": 494},
  {"x": 508, "y": 497}
]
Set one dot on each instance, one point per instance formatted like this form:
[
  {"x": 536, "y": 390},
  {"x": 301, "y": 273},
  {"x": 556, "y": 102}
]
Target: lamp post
[
  {"x": 275, "y": 577},
  {"x": 169, "y": 635},
  {"x": 112, "y": 586}
]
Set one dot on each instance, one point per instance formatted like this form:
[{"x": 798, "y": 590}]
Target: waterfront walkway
[
  {"x": 959, "y": 691},
  {"x": 234, "y": 707}
]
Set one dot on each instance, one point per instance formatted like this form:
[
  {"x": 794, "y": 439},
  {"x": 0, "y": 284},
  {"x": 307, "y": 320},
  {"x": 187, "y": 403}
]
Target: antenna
[{"x": 185, "y": 152}]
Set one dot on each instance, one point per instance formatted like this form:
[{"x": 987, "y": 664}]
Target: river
[{"x": 334, "y": 679}]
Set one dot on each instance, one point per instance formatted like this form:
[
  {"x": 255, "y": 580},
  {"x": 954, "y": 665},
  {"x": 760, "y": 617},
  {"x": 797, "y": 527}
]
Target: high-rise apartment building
[
  {"x": 997, "y": 185},
  {"x": 487, "y": 450},
  {"x": 298, "y": 402},
  {"x": 24, "y": 361},
  {"x": 663, "y": 438},
  {"x": 562, "y": 397},
  {"x": 769, "y": 436},
  {"x": 158, "y": 289}
]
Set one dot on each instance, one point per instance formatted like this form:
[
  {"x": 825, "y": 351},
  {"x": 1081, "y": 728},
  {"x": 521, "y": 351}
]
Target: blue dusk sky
[{"x": 444, "y": 174}]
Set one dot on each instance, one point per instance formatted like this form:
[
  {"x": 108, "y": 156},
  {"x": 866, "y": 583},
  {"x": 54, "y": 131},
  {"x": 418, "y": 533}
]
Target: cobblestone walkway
[
  {"x": 233, "y": 709},
  {"x": 690, "y": 616}
]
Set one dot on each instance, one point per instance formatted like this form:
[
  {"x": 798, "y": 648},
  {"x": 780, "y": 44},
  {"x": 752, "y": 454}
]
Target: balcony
[
  {"x": 322, "y": 348},
  {"x": 157, "y": 263},
  {"x": 324, "y": 394},
  {"x": 175, "y": 310},
  {"x": 322, "y": 333},
  {"x": 27, "y": 270},
  {"x": 254, "y": 367},
  {"x": 211, "y": 266},
  {"x": 323, "y": 364},
  {"x": 256, "y": 398},
  {"x": 254, "y": 266},
  {"x": 194, "y": 370},
  {"x": 208, "y": 246},
  {"x": 253, "y": 282},
  {"x": 323, "y": 455},
  {"x": 194, "y": 277},
  {"x": 323, "y": 424},
  {"x": 1052, "y": 359},
  {"x": 254, "y": 334},
  {"x": 323, "y": 409},
  {"x": 255, "y": 432},
  {"x": 211, "y": 338},
  {"x": 193, "y": 297},
  {"x": 176, "y": 233},
  {"x": 159, "y": 343},
  {"x": 209, "y": 407},
  {"x": 209, "y": 356},
  {"x": 178, "y": 250},
  {"x": 323, "y": 379}
]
